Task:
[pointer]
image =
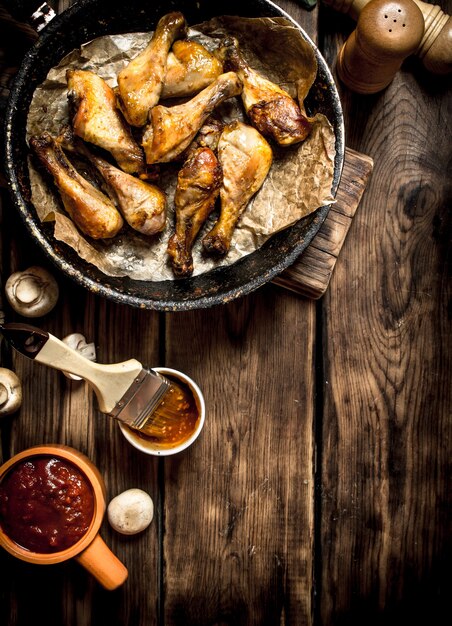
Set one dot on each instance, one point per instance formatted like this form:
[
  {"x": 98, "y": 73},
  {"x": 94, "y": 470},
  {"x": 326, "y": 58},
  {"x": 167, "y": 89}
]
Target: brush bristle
[{"x": 174, "y": 416}]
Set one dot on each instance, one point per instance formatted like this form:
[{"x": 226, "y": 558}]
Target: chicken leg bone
[{"x": 172, "y": 129}]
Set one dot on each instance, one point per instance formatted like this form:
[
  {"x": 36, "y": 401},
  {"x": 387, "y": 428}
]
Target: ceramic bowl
[{"x": 90, "y": 551}]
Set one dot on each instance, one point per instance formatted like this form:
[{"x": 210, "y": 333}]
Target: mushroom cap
[
  {"x": 131, "y": 511},
  {"x": 33, "y": 292},
  {"x": 10, "y": 392},
  {"x": 77, "y": 341}
]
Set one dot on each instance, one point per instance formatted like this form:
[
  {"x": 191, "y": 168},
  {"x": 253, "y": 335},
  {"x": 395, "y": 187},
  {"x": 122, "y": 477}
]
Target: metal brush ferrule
[{"x": 141, "y": 399}]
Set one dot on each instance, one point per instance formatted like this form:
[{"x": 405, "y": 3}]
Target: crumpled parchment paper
[{"x": 298, "y": 183}]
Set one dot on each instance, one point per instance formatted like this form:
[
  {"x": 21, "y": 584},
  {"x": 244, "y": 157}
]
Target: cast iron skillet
[{"x": 88, "y": 19}]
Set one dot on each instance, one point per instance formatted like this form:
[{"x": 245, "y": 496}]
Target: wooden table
[{"x": 318, "y": 492}]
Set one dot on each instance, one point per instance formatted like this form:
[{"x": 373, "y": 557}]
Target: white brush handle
[{"x": 109, "y": 382}]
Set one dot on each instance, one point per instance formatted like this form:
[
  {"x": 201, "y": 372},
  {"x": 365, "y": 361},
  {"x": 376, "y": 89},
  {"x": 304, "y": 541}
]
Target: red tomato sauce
[{"x": 46, "y": 504}]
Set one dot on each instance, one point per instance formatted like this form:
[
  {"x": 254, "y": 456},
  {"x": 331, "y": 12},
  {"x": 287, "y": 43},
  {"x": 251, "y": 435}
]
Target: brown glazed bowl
[{"x": 90, "y": 551}]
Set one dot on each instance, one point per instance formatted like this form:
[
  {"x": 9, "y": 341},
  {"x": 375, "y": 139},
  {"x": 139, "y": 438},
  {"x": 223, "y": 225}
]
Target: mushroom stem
[{"x": 29, "y": 289}]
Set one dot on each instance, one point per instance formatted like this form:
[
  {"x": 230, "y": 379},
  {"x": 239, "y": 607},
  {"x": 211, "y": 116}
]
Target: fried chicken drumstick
[
  {"x": 172, "y": 128},
  {"x": 142, "y": 204},
  {"x": 140, "y": 82},
  {"x": 190, "y": 68},
  {"x": 198, "y": 185},
  {"x": 89, "y": 208},
  {"x": 245, "y": 158},
  {"x": 270, "y": 109},
  {"x": 97, "y": 119}
]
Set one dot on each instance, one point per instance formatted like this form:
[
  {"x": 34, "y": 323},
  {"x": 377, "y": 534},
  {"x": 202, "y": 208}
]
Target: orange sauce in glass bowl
[
  {"x": 185, "y": 428},
  {"x": 46, "y": 504},
  {"x": 176, "y": 431}
]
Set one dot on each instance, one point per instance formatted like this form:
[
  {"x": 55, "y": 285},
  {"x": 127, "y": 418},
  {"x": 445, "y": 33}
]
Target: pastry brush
[{"x": 127, "y": 391}]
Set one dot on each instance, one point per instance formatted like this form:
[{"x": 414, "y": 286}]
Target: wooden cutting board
[{"x": 311, "y": 273}]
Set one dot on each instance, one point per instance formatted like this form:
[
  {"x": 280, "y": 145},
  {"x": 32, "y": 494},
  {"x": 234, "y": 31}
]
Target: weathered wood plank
[
  {"x": 387, "y": 368},
  {"x": 124, "y": 333},
  {"x": 239, "y": 507},
  {"x": 238, "y": 543}
]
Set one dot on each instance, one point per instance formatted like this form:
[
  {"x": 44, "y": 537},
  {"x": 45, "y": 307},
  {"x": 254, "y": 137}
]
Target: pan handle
[{"x": 35, "y": 12}]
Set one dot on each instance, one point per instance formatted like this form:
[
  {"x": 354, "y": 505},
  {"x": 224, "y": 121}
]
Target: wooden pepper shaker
[
  {"x": 435, "y": 48},
  {"x": 387, "y": 32}
]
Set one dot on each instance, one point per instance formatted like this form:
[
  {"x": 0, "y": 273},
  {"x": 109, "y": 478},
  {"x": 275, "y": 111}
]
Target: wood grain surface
[
  {"x": 384, "y": 514},
  {"x": 318, "y": 493}
]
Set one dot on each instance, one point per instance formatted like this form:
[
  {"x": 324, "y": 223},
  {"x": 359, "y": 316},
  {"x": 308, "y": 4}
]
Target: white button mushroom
[
  {"x": 77, "y": 342},
  {"x": 10, "y": 392},
  {"x": 33, "y": 292},
  {"x": 131, "y": 511}
]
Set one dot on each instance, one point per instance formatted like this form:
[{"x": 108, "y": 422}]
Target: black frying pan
[{"x": 86, "y": 20}]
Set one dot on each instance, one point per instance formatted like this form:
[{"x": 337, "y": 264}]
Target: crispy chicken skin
[
  {"x": 142, "y": 204},
  {"x": 97, "y": 119},
  {"x": 245, "y": 157},
  {"x": 172, "y": 129},
  {"x": 94, "y": 213},
  {"x": 208, "y": 136},
  {"x": 140, "y": 82},
  {"x": 198, "y": 185},
  {"x": 270, "y": 109},
  {"x": 190, "y": 68}
]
